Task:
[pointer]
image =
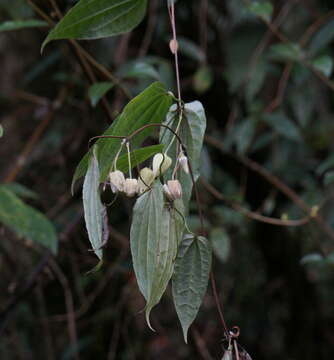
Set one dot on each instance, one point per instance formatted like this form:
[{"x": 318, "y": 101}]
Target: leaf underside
[
  {"x": 154, "y": 236},
  {"x": 190, "y": 279}
]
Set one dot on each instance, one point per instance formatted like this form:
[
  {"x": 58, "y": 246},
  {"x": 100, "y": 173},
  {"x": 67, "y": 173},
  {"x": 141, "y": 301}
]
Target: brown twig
[
  {"x": 28, "y": 148},
  {"x": 280, "y": 185},
  {"x": 250, "y": 214},
  {"x": 69, "y": 306}
]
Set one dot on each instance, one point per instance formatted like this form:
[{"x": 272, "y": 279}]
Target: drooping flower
[
  {"x": 117, "y": 181},
  {"x": 161, "y": 162},
  {"x": 145, "y": 179},
  {"x": 183, "y": 161},
  {"x": 173, "y": 189},
  {"x": 130, "y": 187}
]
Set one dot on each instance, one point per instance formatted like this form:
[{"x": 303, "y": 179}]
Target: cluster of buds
[{"x": 131, "y": 187}]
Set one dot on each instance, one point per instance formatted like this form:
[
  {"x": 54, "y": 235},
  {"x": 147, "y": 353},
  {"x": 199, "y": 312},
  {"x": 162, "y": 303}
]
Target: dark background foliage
[{"x": 267, "y": 90}]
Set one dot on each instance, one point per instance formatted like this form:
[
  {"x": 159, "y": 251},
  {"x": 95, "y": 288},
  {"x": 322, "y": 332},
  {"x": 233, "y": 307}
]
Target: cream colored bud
[
  {"x": 117, "y": 180},
  {"x": 161, "y": 162},
  {"x": 173, "y": 46},
  {"x": 183, "y": 161},
  {"x": 131, "y": 187},
  {"x": 146, "y": 178},
  {"x": 173, "y": 189}
]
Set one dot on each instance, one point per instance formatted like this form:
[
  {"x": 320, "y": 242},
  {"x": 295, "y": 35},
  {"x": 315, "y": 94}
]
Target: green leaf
[
  {"x": 137, "y": 157},
  {"x": 322, "y": 38},
  {"x": 192, "y": 132},
  {"x": 151, "y": 106},
  {"x": 190, "y": 49},
  {"x": 20, "y": 190},
  {"x": 93, "y": 207},
  {"x": 21, "y": 24},
  {"x": 203, "y": 79},
  {"x": 286, "y": 52},
  {"x": 26, "y": 221},
  {"x": 263, "y": 9},
  {"x": 312, "y": 258},
  {"x": 155, "y": 234},
  {"x": 98, "y": 90},
  {"x": 138, "y": 69},
  {"x": 94, "y": 19},
  {"x": 324, "y": 64},
  {"x": 221, "y": 243},
  {"x": 283, "y": 125},
  {"x": 1, "y": 131},
  {"x": 190, "y": 280}
]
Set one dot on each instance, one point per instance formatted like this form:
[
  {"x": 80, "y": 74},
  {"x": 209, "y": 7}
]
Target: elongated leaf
[
  {"x": 26, "y": 221},
  {"x": 192, "y": 133},
  {"x": 155, "y": 234},
  {"x": 324, "y": 64},
  {"x": 190, "y": 279},
  {"x": 138, "y": 156},
  {"x": 93, "y": 207},
  {"x": 20, "y": 190},
  {"x": 21, "y": 24},
  {"x": 98, "y": 90},
  {"x": 263, "y": 9},
  {"x": 151, "y": 106},
  {"x": 94, "y": 19}
]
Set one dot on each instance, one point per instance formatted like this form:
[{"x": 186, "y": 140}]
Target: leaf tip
[{"x": 147, "y": 316}]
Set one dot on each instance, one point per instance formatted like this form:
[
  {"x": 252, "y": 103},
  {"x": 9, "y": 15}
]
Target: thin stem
[
  {"x": 129, "y": 159},
  {"x": 171, "y": 11}
]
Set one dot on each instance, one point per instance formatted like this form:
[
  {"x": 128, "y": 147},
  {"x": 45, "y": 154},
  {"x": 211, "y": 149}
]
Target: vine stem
[{"x": 171, "y": 11}]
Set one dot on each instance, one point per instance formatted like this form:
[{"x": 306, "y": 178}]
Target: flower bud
[
  {"x": 117, "y": 180},
  {"x": 161, "y": 162},
  {"x": 183, "y": 161},
  {"x": 131, "y": 187},
  {"x": 173, "y": 189},
  {"x": 145, "y": 179}
]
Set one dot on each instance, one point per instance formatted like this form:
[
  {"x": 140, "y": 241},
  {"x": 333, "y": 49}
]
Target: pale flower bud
[
  {"x": 145, "y": 179},
  {"x": 161, "y": 162},
  {"x": 131, "y": 187},
  {"x": 173, "y": 189},
  {"x": 117, "y": 180},
  {"x": 183, "y": 161}
]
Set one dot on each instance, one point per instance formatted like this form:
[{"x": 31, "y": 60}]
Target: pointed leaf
[
  {"x": 21, "y": 24},
  {"x": 150, "y": 106},
  {"x": 25, "y": 220},
  {"x": 93, "y": 207},
  {"x": 94, "y": 19},
  {"x": 191, "y": 278},
  {"x": 155, "y": 234}
]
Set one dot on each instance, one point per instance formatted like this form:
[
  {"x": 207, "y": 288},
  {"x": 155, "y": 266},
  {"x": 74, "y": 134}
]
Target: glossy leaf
[
  {"x": 26, "y": 221},
  {"x": 94, "y": 19},
  {"x": 191, "y": 278},
  {"x": 283, "y": 125},
  {"x": 151, "y": 106},
  {"x": 155, "y": 234},
  {"x": 98, "y": 90},
  {"x": 93, "y": 207},
  {"x": 21, "y": 24},
  {"x": 137, "y": 157},
  {"x": 192, "y": 132}
]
